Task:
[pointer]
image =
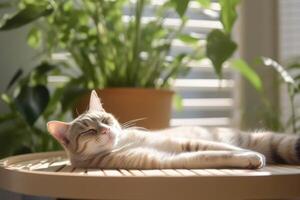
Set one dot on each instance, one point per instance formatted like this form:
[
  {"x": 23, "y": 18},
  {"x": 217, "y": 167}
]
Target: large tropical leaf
[
  {"x": 26, "y": 15},
  {"x": 228, "y": 13},
  {"x": 219, "y": 48},
  {"x": 31, "y": 102},
  {"x": 180, "y": 6}
]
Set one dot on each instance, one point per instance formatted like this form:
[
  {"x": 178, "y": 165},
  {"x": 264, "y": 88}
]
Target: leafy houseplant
[
  {"x": 291, "y": 78},
  {"x": 107, "y": 52}
]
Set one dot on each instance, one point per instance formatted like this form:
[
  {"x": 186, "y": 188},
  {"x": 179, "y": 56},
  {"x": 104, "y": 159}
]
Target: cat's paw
[{"x": 252, "y": 160}]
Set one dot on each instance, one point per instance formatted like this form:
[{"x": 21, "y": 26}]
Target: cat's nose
[{"x": 105, "y": 130}]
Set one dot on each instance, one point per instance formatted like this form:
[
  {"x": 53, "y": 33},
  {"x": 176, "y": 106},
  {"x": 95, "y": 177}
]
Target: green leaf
[
  {"x": 174, "y": 69},
  {"x": 188, "y": 39},
  {"x": 204, "y": 3},
  {"x": 39, "y": 74},
  {"x": 180, "y": 6},
  {"x": 34, "y": 38},
  {"x": 15, "y": 77},
  {"x": 31, "y": 102},
  {"x": 26, "y": 15},
  {"x": 6, "y": 99},
  {"x": 54, "y": 102},
  {"x": 44, "y": 68},
  {"x": 177, "y": 102},
  {"x": 228, "y": 13},
  {"x": 247, "y": 72},
  {"x": 11, "y": 138},
  {"x": 219, "y": 48}
]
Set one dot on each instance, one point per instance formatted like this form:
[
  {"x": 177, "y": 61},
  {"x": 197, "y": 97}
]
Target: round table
[{"x": 50, "y": 174}]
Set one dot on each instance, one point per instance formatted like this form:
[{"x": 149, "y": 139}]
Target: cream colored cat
[{"x": 96, "y": 140}]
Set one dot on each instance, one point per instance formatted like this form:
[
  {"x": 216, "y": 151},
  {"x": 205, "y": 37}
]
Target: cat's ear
[
  {"x": 95, "y": 103},
  {"x": 59, "y": 131}
]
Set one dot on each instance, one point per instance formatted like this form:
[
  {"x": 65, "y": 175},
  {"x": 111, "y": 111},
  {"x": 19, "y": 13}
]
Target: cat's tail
[{"x": 278, "y": 148}]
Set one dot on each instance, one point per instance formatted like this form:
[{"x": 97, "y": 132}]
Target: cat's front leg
[
  {"x": 250, "y": 159},
  {"x": 142, "y": 158},
  {"x": 218, "y": 159}
]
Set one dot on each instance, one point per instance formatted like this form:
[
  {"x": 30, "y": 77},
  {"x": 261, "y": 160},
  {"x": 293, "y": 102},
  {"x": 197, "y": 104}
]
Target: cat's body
[{"x": 96, "y": 140}]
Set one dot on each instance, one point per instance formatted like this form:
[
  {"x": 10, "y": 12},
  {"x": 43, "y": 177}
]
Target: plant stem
[{"x": 137, "y": 37}]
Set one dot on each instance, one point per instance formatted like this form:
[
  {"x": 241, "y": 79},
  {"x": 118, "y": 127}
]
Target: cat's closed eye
[{"x": 90, "y": 131}]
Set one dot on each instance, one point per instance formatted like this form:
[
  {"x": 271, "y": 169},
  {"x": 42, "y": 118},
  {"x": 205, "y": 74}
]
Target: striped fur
[{"x": 96, "y": 139}]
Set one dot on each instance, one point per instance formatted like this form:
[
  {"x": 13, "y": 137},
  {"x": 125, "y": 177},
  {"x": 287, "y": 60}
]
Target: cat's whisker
[
  {"x": 128, "y": 126},
  {"x": 77, "y": 112},
  {"x": 131, "y": 123},
  {"x": 138, "y": 128},
  {"x": 133, "y": 120}
]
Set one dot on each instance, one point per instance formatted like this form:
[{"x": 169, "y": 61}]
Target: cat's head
[{"x": 90, "y": 133}]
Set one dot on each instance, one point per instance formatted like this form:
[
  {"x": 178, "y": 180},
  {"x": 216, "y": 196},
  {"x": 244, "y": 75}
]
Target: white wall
[
  {"x": 14, "y": 53},
  {"x": 289, "y": 43}
]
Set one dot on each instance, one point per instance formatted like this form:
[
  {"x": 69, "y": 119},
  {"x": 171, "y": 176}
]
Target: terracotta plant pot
[{"x": 154, "y": 105}]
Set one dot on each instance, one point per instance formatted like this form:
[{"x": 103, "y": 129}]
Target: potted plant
[{"x": 125, "y": 59}]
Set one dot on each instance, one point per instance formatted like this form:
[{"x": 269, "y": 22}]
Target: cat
[{"x": 96, "y": 139}]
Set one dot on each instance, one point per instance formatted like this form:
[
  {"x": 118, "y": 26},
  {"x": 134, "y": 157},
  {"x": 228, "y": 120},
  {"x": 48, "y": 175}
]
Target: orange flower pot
[{"x": 153, "y": 105}]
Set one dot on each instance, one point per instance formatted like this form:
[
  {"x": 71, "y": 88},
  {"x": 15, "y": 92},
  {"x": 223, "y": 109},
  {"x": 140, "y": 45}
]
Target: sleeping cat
[{"x": 96, "y": 139}]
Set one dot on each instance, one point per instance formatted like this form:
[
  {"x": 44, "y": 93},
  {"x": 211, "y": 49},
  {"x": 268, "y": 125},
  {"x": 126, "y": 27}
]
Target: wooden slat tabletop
[{"x": 50, "y": 174}]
